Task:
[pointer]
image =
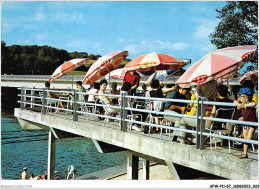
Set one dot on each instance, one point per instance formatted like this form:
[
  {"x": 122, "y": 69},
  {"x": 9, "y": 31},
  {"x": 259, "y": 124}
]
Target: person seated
[
  {"x": 178, "y": 107},
  {"x": 169, "y": 88},
  {"x": 80, "y": 88},
  {"x": 114, "y": 89},
  {"x": 95, "y": 89},
  {"x": 115, "y": 92},
  {"x": 106, "y": 100},
  {"x": 33, "y": 178},
  {"x": 91, "y": 85},
  {"x": 144, "y": 90},
  {"x": 25, "y": 175},
  {"x": 52, "y": 95},
  {"x": 234, "y": 91},
  {"x": 222, "y": 92}
]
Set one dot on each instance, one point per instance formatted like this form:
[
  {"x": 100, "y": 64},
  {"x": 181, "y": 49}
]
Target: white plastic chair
[{"x": 48, "y": 104}]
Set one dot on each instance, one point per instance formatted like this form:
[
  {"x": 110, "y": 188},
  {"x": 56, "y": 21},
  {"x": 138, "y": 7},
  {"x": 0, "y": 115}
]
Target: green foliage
[
  {"x": 238, "y": 26},
  {"x": 38, "y": 60}
]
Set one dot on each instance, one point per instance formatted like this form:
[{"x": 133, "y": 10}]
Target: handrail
[{"x": 199, "y": 117}]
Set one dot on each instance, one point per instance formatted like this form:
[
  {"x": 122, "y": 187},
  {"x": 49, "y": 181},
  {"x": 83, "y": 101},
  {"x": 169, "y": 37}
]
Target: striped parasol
[
  {"x": 252, "y": 76},
  {"x": 67, "y": 67},
  {"x": 218, "y": 64},
  {"x": 119, "y": 74},
  {"x": 104, "y": 65},
  {"x": 160, "y": 75},
  {"x": 155, "y": 61}
]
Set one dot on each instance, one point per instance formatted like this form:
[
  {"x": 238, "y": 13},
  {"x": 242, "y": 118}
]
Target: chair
[
  {"x": 108, "y": 111},
  {"x": 67, "y": 103},
  {"x": 225, "y": 113},
  {"x": 133, "y": 116},
  {"x": 155, "y": 105},
  {"x": 48, "y": 103},
  {"x": 88, "y": 109}
]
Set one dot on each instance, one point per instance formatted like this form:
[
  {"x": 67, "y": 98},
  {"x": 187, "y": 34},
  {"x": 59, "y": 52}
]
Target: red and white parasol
[
  {"x": 104, "y": 65},
  {"x": 119, "y": 74},
  {"x": 252, "y": 75},
  {"x": 155, "y": 61},
  {"x": 67, "y": 67},
  {"x": 218, "y": 64}
]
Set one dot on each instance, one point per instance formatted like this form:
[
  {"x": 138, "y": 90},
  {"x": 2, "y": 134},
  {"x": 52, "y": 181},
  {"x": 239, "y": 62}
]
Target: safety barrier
[{"x": 33, "y": 99}]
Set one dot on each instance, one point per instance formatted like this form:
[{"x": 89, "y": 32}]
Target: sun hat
[
  {"x": 25, "y": 168},
  {"x": 246, "y": 92}
]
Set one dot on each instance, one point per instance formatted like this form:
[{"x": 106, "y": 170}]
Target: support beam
[
  {"x": 146, "y": 169},
  {"x": 51, "y": 156},
  {"x": 103, "y": 147},
  {"x": 172, "y": 170},
  {"x": 132, "y": 166}
]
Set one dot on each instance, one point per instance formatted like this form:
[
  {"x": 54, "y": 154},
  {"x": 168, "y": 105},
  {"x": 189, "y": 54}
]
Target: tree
[{"x": 238, "y": 26}]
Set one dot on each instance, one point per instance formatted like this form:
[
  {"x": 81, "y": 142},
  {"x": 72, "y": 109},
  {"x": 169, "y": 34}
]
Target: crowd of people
[{"x": 244, "y": 97}]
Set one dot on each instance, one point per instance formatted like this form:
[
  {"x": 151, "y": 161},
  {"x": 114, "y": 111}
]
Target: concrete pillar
[
  {"x": 51, "y": 156},
  {"x": 132, "y": 166},
  {"x": 146, "y": 169},
  {"x": 172, "y": 170}
]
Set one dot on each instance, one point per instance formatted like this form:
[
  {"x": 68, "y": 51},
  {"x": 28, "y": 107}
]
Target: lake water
[{"x": 29, "y": 148}]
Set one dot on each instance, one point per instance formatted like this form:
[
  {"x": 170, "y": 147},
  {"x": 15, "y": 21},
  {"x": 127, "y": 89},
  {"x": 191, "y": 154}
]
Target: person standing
[
  {"x": 71, "y": 170},
  {"x": 133, "y": 78},
  {"x": 25, "y": 175},
  {"x": 247, "y": 106}
]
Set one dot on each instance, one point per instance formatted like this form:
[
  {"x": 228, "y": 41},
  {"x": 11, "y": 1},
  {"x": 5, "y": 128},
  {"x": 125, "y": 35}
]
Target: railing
[
  {"x": 33, "y": 99},
  {"x": 70, "y": 77},
  {"x": 172, "y": 78}
]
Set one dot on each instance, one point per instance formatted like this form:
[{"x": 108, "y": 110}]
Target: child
[{"x": 249, "y": 114}]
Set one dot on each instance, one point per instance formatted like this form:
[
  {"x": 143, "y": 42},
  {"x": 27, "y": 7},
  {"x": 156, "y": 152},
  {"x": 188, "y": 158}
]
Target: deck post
[
  {"x": 202, "y": 123},
  {"x": 44, "y": 101},
  {"x": 123, "y": 112},
  {"x": 51, "y": 156},
  {"x": 201, "y": 109},
  {"x": 32, "y": 98},
  {"x": 146, "y": 169},
  {"x": 132, "y": 166},
  {"x": 75, "y": 106},
  {"x": 22, "y": 98}
]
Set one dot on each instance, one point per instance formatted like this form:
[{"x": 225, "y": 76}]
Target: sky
[{"x": 178, "y": 28}]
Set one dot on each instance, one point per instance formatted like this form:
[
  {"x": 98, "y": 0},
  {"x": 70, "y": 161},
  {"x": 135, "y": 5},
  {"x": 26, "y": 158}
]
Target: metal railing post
[
  {"x": 123, "y": 123},
  {"x": 75, "y": 106},
  {"x": 202, "y": 123},
  {"x": 32, "y": 98},
  {"x": 198, "y": 122},
  {"x": 44, "y": 101},
  {"x": 22, "y": 98}
]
